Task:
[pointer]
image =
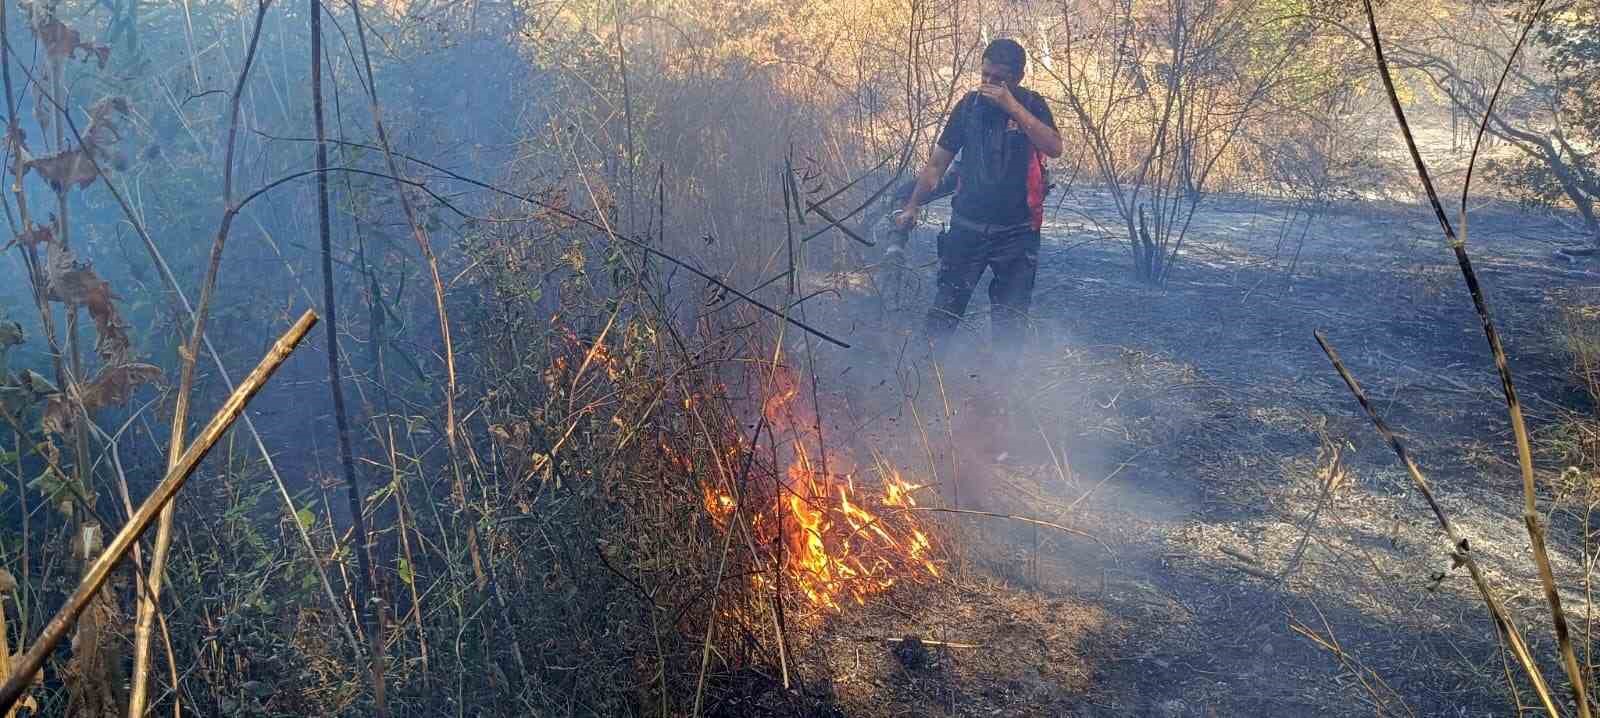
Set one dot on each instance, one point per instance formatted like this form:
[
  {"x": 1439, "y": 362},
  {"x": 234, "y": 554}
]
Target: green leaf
[
  {"x": 306, "y": 518},
  {"x": 37, "y": 384},
  {"x": 8, "y": 457},
  {"x": 60, "y": 490},
  {"x": 14, "y": 398},
  {"x": 405, "y": 571},
  {"x": 10, "y": 333}
]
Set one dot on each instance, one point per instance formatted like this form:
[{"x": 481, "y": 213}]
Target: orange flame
[
  {"x": 718, "y": 504},
  {"x": 836, "y": 542}
]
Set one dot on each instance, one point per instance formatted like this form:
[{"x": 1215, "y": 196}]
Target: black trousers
[{"x": 965, "y": 251}]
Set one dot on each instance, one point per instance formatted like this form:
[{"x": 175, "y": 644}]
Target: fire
[
  {"x": 834, "y": 540},
  {"x": 718, "y": 504}
]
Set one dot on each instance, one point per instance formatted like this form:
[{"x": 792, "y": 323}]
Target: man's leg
[
  {"x": 962, "y": 255},
  {"x": 1015, "y": 260}
]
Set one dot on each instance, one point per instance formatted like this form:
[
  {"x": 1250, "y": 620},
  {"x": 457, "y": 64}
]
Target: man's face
[{"x": 993, "y": 74}]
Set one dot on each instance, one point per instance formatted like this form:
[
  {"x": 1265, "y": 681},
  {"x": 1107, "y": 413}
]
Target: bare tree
[
  {"x": 1546, "y": 111},
  {"x": 1160, "y": 94}
]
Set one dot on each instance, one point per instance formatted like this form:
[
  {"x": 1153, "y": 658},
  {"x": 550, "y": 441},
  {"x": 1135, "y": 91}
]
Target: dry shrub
[
  {"x": 1575, "y": 439},
  {"x": 606, "y": 417}
]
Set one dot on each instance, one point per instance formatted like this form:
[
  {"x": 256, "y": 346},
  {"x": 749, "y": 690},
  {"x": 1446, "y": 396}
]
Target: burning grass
[{"x": 838, "y": 533}]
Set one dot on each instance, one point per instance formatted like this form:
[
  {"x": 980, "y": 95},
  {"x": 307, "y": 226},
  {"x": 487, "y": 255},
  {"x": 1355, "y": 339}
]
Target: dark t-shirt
[{"x": 996, "y": 157}]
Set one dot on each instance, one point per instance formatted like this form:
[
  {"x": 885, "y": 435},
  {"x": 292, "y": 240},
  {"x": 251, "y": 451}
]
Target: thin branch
[
  {"x": 640, "y": 244},
  {"x": 330, "y": 310}
]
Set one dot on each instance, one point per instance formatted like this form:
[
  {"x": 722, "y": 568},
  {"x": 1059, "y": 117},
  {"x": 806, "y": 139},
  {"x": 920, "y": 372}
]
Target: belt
[{"x": 988, "y": 228}]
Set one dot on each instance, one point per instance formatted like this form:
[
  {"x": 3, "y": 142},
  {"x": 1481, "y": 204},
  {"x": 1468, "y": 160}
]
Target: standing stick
[
  {"x": 156, "y": 502},
  {"x": 368, "y": 614},
  {"x": 419, "y": 233}
]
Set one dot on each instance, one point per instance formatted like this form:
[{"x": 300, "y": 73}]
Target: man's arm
[
  {"x": 927, "y": 179},
  {"x": 1044, "y": 137}
]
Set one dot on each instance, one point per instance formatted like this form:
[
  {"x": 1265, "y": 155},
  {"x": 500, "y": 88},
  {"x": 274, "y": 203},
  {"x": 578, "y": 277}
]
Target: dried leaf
[
  {"x": 62, "y": 42},
  {"x": 88, "y": 542},
  {"x": 78, "y": 166},
  {"x": 57, "y": 415},
  {"x": 76, "y": 283},
  {"x": 8, "y": 583},
  {"x": 10, "y": 336},
  {"x": 35, "y": 382},
  {"x": 95, "y": 674},
  {"x": 64, "y": 169},
  {"x": 112, "y": 387},
  {"x": 58, "y": 489},
  {"x": 40, "y": 234},
  {"x": 49, "y": 451},
  {"x": 102, "y": 134},
  {"x": 27, "y": 702}
]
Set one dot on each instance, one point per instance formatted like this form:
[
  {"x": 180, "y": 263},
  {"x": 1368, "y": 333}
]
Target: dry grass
[{"x": 1012, "y": 652}]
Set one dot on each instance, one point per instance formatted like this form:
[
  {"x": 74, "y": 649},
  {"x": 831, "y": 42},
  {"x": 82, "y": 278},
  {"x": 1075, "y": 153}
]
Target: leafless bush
[{"x": 1160, "y": 96}]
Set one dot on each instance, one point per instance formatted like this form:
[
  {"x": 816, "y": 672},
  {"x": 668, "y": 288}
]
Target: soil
[{"x": 1218, "y": 496}]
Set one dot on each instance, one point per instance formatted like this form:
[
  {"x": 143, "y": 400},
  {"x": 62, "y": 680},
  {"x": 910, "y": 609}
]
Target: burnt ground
[{"x": 1186, "y": 438}]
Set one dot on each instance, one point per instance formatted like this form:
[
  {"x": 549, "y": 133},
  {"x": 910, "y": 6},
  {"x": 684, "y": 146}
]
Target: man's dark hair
[{"x": 1005, "y": 51}]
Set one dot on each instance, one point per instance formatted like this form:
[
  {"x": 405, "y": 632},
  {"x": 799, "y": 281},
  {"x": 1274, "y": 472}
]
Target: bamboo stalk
[
  {"x": 1519, "y": 428},
  {"x": 419, "y": 234},
  {"x": 156, "y": 502},
  {"x": 149, "y": 603},
  {"x": 1460, "y": 550},
  {"x": 722, "y": 565}
]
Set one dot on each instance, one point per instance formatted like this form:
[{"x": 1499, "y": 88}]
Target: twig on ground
[
  {"x": 1023, "y": 519},
  {"x": 1331, "y": 477},
  {"x": 1330, "y": 643},
  {"x": 923, "y": 641}
]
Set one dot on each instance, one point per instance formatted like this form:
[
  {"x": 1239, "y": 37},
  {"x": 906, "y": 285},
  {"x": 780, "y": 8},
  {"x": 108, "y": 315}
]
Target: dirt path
[{"x": 1193, "y": 430}]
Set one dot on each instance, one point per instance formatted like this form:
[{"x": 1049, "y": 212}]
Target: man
[{"x": 1001, "y": 131}]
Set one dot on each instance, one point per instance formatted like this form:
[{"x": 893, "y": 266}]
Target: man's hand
[
  {"x": 1001, "y": 96},
  {"x": 938, "y": 162},
  {"x": 905, "y": 219}
]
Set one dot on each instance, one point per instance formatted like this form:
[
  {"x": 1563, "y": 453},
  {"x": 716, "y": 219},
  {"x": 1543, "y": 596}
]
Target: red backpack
[{"x": 1038, "y": 187}]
